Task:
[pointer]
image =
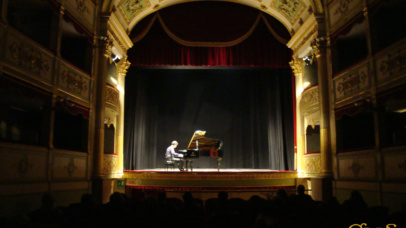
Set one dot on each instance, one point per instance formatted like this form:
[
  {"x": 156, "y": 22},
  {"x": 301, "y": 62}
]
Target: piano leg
[
  {"x": 218, "y": 164},
  {"x": 191, "y": 165}
]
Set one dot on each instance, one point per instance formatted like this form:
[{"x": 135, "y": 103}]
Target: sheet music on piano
[{"x": 202, "y": 146}]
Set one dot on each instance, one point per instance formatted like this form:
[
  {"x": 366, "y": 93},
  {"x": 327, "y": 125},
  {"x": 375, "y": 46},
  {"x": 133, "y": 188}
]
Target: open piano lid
[{"x": 203, "y": 142}]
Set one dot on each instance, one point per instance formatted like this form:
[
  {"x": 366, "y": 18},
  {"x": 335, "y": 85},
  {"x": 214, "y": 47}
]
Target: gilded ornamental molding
[
  {"x": 112, "y": 97},
  {"x": 352, "y": 82},
  {"x": 109, "y": 163},
  {"x": 123, "y": 66},
  {"x": 310, "y": 101},
  {"x": 297, "y": 65},
  {"x": 28, "y": 57},
  {"x": 391, "y": 63},
  {"x": 209, "y": 176},
  {"x": 74, "y": 82},
  {"x": 312, "y": 163}
]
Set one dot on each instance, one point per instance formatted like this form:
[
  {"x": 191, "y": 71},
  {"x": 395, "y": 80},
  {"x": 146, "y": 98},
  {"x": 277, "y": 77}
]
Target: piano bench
[{"x": 168, "y": 164}]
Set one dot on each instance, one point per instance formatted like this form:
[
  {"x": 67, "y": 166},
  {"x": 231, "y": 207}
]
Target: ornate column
[
  {"x": 319, "y": 46},
  {"x": 103, "y": 58},
  {"x": 122, "y": 68},
  {"x": 297, "y": 65}
]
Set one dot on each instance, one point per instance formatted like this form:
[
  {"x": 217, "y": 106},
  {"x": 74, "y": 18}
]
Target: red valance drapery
[{"x": 204, "y": 34}]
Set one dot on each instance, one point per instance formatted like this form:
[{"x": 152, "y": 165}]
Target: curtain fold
[
  {"x": 249, "y": 110},
  {"x": 200, "y": 34}
]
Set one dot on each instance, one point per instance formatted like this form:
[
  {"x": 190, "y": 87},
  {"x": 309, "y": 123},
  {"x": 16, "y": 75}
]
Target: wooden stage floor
[{"x": 210, "y": 179}]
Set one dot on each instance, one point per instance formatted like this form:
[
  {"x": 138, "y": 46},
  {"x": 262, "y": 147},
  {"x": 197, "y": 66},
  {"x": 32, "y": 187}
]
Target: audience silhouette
[{"x": 280, "y": 210}]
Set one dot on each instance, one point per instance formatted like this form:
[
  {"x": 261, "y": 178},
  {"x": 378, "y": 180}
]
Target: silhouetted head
[
  {"x": 47, "y": 200},
  {"x": 300, "y": 190},
  {"x": 187, "y": 197},
  {"x": 87, "y": 200},
  {"x": 116, "y": 198},
  {"x": 282, "y": 193},
  {"x": 222, "y": 195}
]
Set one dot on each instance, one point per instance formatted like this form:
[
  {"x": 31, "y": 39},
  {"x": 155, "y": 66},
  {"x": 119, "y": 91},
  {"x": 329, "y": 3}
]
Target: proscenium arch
[{"x": 109, "y": 6}]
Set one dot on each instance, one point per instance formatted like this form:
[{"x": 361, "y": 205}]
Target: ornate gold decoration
[
  {"x": 355, "y": 167},
  {"x": 29, "y": 59},
  {"x": 108, "y": 44},
  {"x": 131, "y": 8},
  {"x": 71, "y": 167},
  {"x": 291, "y": 9},
  {"x": 23, "y": 165},
  {"x": 123, "y": 66},
  {"x": 74, "y": 82},
  {"x": 310, "y": 101},
  {"x": 263, "y": 7},
  {"x": 319, "y": 45},
  {"x": 343, "y": 8},
  {"x": 393, "y": 64},
  {"x": 81, "y": 7},
  {"x": 312, "y": 163},
  {"x": 300, "y": 21},
  {"x": 306, "y": 38},
  {"x": 210, "y": 176},
  {"x": 112, "y": 96},
  {"x": 297, "y": 65},
  {"x": 351, "y": 82},
  {"x": 156, "y": 7},
  {"x": 109, "y": 163},
  {"x": 310, "y": 97}
]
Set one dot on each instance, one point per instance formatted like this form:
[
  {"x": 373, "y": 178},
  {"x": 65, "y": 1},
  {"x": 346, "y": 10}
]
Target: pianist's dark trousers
[{"x": 179, "y": 163}]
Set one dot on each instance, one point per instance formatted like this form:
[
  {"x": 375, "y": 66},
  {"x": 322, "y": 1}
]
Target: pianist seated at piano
[{"x": 173, "y": 156}]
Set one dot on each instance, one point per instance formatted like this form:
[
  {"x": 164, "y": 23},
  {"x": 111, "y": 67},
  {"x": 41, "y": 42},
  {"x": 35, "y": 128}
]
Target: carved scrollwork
[
  {"x": 74, "y": 82},
  {"x": 319, "y": 45},
  {"x": 343, "y": 7},
  {"x": 123, "y": 66},
  {"x": 312, "y": 164},
  {"x": 81, "y": 7},
  {"x": 393, "y": 64},
  {"x": 310, "y": 101},
  {"x": 112, "y": 96},
  {"x": 351, "y": 82},
  {"x": 109, "y": 164},
  {"x": 297, "y": 65},
  {"x": 29, "y": 59}
]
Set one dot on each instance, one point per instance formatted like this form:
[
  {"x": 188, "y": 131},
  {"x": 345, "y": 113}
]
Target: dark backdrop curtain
[{"x": 249, "y": 109}]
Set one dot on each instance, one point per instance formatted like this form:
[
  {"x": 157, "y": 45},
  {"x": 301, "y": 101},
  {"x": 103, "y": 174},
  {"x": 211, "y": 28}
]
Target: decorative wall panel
[
  {"x": 28, "y": 57},
  {"x": 69, "y": 166},
  {"x": 312, "y": 163},
  {"x": 129, "y": 9},
  {"x": 391, "y": 63},
  {"x": 310, "y": 101},
  {"x": 82, "y": 10},
  {"x": 394, "y": 161},
  {"x": 110, "y": 163},
  {"x": 74, "y": 81},
  {"x": 341, "y": 11},
  {"x": 23, "y": 164},
  {"x": 357, "y": 166},
  {"x": 353, "y": 82},
  {"x": 290, "y": 9}
]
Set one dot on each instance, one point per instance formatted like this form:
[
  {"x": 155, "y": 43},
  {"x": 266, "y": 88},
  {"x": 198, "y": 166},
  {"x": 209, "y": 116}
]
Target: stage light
[
  {"x": 116, "y": 58},
  {"x": 306, "y": 84},
  {"x": 113, "y": 80},
  {"x": 120, "y": 89}
]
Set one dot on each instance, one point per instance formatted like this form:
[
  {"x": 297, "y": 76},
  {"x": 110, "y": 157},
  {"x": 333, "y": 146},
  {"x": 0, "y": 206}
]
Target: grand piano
[{"x": 202, "y": 146}]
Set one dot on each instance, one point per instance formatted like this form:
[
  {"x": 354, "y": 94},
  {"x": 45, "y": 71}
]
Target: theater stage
[{"x": 210, "y": 180}]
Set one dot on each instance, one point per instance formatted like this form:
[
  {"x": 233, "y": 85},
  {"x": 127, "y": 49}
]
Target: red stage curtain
[{"x": 201, "y": 34}]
